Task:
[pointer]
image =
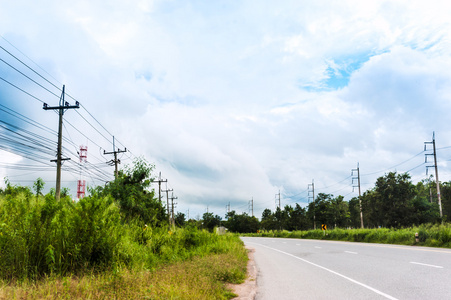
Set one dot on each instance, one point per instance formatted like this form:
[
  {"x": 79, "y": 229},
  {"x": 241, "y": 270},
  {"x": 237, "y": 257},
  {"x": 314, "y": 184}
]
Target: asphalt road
[{"x": 314, "y": 269}]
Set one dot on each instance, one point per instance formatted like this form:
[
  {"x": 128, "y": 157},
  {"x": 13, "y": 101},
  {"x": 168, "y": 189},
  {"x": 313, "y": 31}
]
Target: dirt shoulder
[{"x": 248, "y": 289}]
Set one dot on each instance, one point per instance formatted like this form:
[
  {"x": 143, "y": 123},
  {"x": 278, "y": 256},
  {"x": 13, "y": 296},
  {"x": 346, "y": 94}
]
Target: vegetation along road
[{"x": 316, "y": 269}]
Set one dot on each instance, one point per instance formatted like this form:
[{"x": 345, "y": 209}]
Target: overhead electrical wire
[
  {"x": 28, "y": 151},
  {"x": 48, "y": 81},
  {"x": 391, "y": 168},
  {"x": 32, "y": 96}
]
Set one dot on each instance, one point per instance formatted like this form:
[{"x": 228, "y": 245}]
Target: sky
[{"x": 237, "y": 100}]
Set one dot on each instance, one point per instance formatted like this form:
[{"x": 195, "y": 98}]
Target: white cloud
[{"x": 237, "y": 100}]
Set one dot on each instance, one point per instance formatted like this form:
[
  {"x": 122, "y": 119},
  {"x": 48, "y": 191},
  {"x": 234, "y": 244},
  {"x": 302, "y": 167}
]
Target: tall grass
[
  {"x": 41, "y": 237},
  {"x": 433, "y": 235}
]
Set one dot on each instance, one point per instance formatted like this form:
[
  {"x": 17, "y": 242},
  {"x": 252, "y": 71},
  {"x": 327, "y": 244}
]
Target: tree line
[{"x": 394, "y": 202}]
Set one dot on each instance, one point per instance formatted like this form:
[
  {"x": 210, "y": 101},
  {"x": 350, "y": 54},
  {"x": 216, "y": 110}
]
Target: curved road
[{"x": 315, "y": 269}]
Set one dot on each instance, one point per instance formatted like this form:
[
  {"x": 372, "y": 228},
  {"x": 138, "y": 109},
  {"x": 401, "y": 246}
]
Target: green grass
[
  {"x": 86, "y": 250},
  {"x": 432, "y": 235},
  {"x": 198, "y": 278}
]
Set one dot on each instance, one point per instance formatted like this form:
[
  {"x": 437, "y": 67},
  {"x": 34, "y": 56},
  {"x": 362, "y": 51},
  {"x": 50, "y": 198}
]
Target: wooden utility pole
[
  {"x": 63, "y": 106},
  {"x": 115, "y": 161}
]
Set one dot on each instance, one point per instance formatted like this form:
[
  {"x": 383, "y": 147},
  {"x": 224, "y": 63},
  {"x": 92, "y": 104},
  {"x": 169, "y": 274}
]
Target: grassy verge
[
  {"x": 90, "y": 249},
  {"x": 428, "y": 234},
  {"x": 200, "y": 277}
]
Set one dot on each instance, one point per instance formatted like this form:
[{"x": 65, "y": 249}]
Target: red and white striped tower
[{"x": 81, "y": 186}]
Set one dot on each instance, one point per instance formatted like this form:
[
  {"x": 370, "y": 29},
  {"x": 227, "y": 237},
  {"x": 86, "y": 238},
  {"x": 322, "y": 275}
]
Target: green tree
[
  {"x": 339, "y": 210},
  {"x": 354, "y": 212},
  {"x": 389, "y": 204},
  {"x": 281, "y": 218},
  {"x": 130, "y": 190},
  {"x": 210, "y": 221},
  {"x": 297, "y": 218},
  {"x": 241, "y": 223},
  {"x": 180, "y": 219},
  {"x": 320, "y": 210},
  {"x": 268, "y": 220},
  {"x": 38, "y": 186},
  {"x": 445, "y": 190}
]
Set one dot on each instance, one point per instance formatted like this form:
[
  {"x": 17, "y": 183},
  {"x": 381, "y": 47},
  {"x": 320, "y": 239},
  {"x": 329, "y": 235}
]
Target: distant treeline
[{"x": 394, "y": 202}]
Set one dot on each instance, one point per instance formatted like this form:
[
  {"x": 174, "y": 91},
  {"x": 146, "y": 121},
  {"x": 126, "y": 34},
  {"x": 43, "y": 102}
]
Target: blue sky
[{"x": 239, "y": 99}]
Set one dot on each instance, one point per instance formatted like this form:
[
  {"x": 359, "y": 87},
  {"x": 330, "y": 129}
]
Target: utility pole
[
  {"x": 252, "y": 206},
  {"x": 167, "y": 202},
  {"x": 115, "y": 161},
  {"x": 172, "y": 210},
  {"x": 360, "y": 196},
  {"x": 436, "y": 170},
  {"x": 159, "y": 186},
  {"x": 279, "y": 199},
  {"x": 313, "y": 199},
  {"x": 62, "y": 107}
]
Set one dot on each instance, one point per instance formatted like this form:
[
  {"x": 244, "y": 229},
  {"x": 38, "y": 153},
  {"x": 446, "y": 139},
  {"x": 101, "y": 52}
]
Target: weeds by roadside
[
  {"x": 198, "y": 278},
  {"x": 432, "y": 235},
  {"x": 86, "y": 250}
]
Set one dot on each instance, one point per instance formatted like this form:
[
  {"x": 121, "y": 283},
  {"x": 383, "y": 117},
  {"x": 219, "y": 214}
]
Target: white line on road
[
  {"x": 298, "y": 244},
  {"x": 350, "y": 252},
  {"x": 318, "y": 247},
  {"x": 333, "y": 272},
  {"x": 427, "y": 265}
]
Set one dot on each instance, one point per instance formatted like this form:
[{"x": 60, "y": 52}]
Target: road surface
[{"x": 314, "y": 269}]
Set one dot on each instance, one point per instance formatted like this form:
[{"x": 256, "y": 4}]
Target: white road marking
[
  {"x": 284, "y": 242},
  {"x": 333, "y": 272},
  {"x": 318, "y": 247},
  {"x": 427, "y": 265},
  {"x": 351, "y": 252},
  {"x": 298, "y": 244}
]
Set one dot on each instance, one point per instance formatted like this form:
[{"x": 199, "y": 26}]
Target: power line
[
  {"x": 32, "y": 96},
  {"x": 29, "y": 78},
  {"x": 393, "y": 166}
]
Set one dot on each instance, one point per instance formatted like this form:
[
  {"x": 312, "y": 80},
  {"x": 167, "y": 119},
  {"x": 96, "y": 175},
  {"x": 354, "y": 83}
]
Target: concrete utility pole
[
  {"x": 227, "y": 208},
  {"x": 279, "y": 199},
  {"x": 159, "y": 186},
  {"x": 63, "y": 106},
  {"x": 252, "y": 206},
  {"x": 115, "y": 161},
  {"x": 172, "y": 209},
  {"x": 167, "y": 202},
  {"x": 360, "y": 196},
  {"x": 313, "y": 199},
  {"x": 439, "y": 198}
]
